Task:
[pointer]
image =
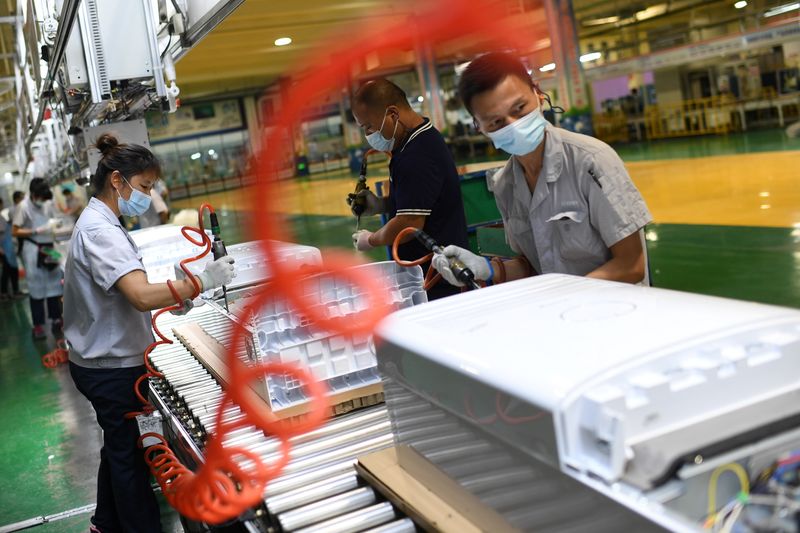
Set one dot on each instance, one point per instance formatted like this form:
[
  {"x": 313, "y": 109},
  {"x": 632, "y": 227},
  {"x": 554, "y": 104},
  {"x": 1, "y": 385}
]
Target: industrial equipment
[{"x": 600, "y": 406}]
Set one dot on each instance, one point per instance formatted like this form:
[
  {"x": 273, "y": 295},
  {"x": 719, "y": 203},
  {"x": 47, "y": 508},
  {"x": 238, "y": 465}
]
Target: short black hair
[
  {"x": 379, "y": 94},
  {"x": 40, "y": 189},
  {"x": 128, "y": 159},
  {"x": 17, "y": 196},
  {"x": 486, "y": 72}
]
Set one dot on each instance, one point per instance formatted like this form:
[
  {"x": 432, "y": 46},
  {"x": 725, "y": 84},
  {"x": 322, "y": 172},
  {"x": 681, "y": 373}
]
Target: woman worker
[
  {"x": 107, "y": 302},
  {"x": 34, "y": 223}
]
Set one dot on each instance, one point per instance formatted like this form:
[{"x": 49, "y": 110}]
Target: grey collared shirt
[
  {"x": 103, "y": 328},
  {"x": 583, "y": 203}
]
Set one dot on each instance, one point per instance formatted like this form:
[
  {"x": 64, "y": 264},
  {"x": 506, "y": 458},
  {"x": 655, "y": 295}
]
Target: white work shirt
[
  {"x": 42, "y": 283},
  {"x": 103, "y": 328},
  {"x": 584, "y": 202}
]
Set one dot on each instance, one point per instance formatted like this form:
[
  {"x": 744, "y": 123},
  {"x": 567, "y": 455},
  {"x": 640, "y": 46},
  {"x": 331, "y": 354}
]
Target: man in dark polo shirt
[{"x": 424, "y": 189}]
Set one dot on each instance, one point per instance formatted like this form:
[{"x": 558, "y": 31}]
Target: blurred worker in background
[
  {"x": 35, "y": 223},
  {"x": 567, "y": 202},
  {"x": 9, "y": 278},
  {"x": 72, "y": 205},
  {"x": 17, "y": 198},
  {"x": 107, "y": 302},
  {"x": 424, "y": 190},
  {"x": 156, "y": 214}
]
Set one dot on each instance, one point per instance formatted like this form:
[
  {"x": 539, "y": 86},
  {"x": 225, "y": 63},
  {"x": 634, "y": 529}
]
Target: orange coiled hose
[
  {"x": 58, "y": 356},
  {"x": 232, "y": 479},
  {"x": 152, "y": 372},
  {"x": 431, "y": 277}
]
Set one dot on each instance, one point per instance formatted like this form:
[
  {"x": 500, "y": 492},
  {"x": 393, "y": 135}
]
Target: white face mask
[{"x": 377, "y": 141}]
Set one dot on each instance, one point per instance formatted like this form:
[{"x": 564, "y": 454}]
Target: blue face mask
[
  {"x": 376, "y": 140},
  {"x": 522, "y": 136},
  {"x": 134, "y": 206}
]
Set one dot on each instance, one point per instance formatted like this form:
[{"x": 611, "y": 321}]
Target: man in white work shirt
[{"x": 567, "y": 202}]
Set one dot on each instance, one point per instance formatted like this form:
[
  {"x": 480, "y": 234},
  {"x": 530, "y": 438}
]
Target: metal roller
[
  {"x": 311, "y": 493},
  {"x": 355, "y": 521},
  {"x": 327, "y": 508},
  {"x": 406, "y": 525}
]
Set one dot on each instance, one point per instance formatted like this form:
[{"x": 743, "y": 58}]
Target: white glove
[
  {"x": 372, "y": 204},
  {"x": 186, "y": 306},
  {"x": 44, "y": 228},
  {"x": 217, "y": 273},
  {"x": 361, "y": 240},
  {"x": 477, "y": 264}
]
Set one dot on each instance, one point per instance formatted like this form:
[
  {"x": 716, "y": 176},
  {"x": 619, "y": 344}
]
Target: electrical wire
[{"x": 744, "y": 487}]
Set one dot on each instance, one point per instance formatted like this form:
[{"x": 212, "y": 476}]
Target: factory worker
[
  {"x": 567, "y": 202},
  {"x": 34, "y": 223},
  {"x": 107, "y": 304},
  {"x": 424, "y": 190}
]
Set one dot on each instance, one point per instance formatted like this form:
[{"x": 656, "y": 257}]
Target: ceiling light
[
  {"x": 195, "y": 156},
  {"x": 420, "y": 99},
  {"x": 763, "y": 194},
  {"x": 591, "y": 56},
  {"x": 740, "y": 4},
  {"x": 548, "y": 67},
  {"x": 601, "y": 21},
  {"x": 212, "y": 152},
  {"x": 765, "y": 206},
  {"x": 780, "y": 10},
  {"x": 650, "y": 12},
  {"x": 283, "y": 41}
]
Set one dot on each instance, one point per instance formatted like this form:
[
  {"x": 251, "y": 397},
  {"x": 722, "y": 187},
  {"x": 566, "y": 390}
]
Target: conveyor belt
[{"x": 318, "y": 490}]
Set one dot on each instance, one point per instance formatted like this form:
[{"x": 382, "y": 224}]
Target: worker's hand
[
  {"x": 44, "y": 228},
  {"x": 477, "y": 264},
  {"x": 217, "y": 273},
  {"x": 361, "y": 240},
  {"x": 186, "y": 306},
  {"x": 372, "y": 204}
]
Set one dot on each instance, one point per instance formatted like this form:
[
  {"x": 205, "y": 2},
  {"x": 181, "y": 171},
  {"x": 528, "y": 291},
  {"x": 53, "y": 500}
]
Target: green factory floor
[{"x": 49, "y": 448}]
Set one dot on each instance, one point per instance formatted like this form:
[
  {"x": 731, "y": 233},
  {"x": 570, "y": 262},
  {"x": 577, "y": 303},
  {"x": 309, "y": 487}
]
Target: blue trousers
[{"x": 125, "y": 500}]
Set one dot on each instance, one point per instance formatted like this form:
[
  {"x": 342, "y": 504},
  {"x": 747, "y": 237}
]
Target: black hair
[
  {"x": 128, "y": 159},
  {"x": 17, "y": 196},
  {"x": 40, "y": 189},
  {"x": 487, "y": 71},
  {"x": 381, "y": 93}
]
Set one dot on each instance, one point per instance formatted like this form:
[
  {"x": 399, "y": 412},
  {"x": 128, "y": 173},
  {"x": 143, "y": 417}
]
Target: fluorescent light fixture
[
  {"x": 548, "y": 67},
  {"x": 764, "y": 194},
  {"x": 601, "y": 21},
  {"x": 420, "y": 99},
  {"x": 765, "y": 206},
  {"x": 195, "y": 156},
  {"x": 780, "y": 10},
  {"x": 650, "y": 12},
  {"x": 283, "y": 41},
  {"x": 740, "y": 4},
  {"x": 591, "y": 56}
]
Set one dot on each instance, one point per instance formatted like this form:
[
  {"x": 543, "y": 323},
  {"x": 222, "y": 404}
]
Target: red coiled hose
[
  {"x": 232, "y": 479},
  {"x": 152, "y": 372},
  {"x": 58, "y": 356}
]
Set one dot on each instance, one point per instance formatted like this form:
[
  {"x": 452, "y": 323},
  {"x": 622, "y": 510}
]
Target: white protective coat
[{"x": 42, "y": 283}]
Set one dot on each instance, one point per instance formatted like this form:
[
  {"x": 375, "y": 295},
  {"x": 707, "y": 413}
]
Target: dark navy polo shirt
[{"x": 424, "y": 181}]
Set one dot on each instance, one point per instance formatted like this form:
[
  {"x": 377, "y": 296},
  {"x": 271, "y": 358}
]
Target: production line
[{"x": 619, "y": 436}]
